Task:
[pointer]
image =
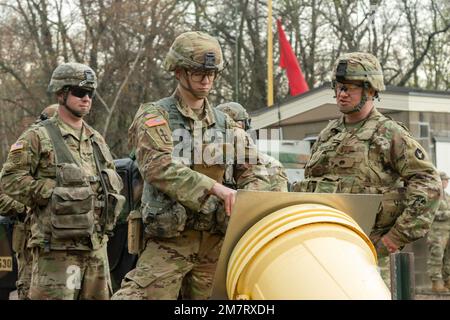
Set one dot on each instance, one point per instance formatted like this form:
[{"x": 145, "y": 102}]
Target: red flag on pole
[{"x": 288, "y": 61}]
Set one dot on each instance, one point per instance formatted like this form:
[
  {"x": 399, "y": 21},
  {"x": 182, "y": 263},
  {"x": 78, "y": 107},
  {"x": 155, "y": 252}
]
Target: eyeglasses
[
  {"x": 347, "y": 87},
  {"x": 81, "y": 92},
  {"x": 198, "y": 76}
]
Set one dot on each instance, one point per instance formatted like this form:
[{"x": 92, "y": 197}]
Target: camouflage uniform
[
  {"x": 21, "y": 232},
  {"x": 184, "y": 223},
  {"x": 69, "y": 226},
  {"x": 375, "y": 156},
  {"x": 272, "y": 176},
  {"x": 438, "y": 262}
]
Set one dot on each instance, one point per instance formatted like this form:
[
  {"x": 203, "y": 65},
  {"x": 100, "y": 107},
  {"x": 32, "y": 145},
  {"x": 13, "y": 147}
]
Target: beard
[{"x": 77, "y": 113}]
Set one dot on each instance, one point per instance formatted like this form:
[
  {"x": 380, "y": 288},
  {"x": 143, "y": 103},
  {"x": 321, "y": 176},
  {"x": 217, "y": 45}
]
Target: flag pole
[{"x": 269, "y": 55}]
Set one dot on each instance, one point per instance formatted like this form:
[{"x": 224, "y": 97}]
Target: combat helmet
[
  {"x": 72, "y": 74},
  {"x": 195, "y": 50},
  {"x": 359, "y": 66},
  {"x": 236, "y": 111},
  {"x": 48, "y": 112}
]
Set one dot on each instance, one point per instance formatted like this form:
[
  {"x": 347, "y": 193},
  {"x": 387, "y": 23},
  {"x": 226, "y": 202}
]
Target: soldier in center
[{"x": 185, "y": 206}]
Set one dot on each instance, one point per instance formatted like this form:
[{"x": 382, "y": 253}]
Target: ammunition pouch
[
  {"x": 162, "y": 216},
  {"x": 114, "y": 200},
  {"x": 72, "y": 204},
  {"x": 135, "y": 238},
  {"x": 204, "y": 219}
]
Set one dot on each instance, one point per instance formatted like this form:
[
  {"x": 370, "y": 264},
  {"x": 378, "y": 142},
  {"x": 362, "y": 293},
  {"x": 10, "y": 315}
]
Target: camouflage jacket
[
  {"x": 10, "y": 207},
  {"x": 151, "y": 137},
  {"x": 271, "y": 175},
  {"x": 29, "y": 176},
  {"x": 378, "y": 157},
  {"x": 443, "y": 212}
]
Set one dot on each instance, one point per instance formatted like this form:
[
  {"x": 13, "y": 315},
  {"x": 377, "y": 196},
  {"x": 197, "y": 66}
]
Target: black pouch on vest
[{"x": 162, "y": 216}]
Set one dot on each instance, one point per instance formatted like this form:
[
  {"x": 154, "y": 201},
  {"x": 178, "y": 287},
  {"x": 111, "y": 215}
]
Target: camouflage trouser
[
  {"x": 384, "y": 265},
  {"x": 24, "y": 263},
  {"x": 70, "y": 275},
  {"x": 24, "y": 259},
  {"x": 438, "y": 262},
  {"x": 167, "y": 268}
]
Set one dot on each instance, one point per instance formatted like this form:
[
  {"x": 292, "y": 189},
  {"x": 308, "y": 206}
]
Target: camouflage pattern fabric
[
  {"x": 24, "y": 260},
  {"x": 70, "y": 275},
  {"x": 235, "y": 110},
  {"x": 189, "y": 51},
  {"x": 48, "y": 112},
  {"x": 376, "y": 158},
  {"x": 183, "y": 265},
  {"x": 438, "y": 262},
  {"x": 8, "y": 206}
]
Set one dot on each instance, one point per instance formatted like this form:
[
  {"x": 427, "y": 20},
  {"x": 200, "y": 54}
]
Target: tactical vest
[
  {"x": 163, "y": 216},
  {"x": 343, "y": 163},
  {"x": 73, "y": 204}
]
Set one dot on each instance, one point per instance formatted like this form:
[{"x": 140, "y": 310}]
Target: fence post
[{"x": 402, "y": 276}]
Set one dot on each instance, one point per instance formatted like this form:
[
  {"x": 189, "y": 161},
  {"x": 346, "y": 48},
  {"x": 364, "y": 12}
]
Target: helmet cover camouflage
[
  {"x": 443, "y": 175},
  {"x": 235, "y": 110},
  {"x": 360, "y": 66},
  {"x": 49, "y": 111},
  {"x": 194, "y": 50},
  {"x": 72, "y": 74}
]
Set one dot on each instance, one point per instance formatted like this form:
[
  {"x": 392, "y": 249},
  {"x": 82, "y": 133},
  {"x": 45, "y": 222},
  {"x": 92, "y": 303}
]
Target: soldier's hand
[
  {"x": 226, "y": 194},
  {"x": 389, "y": 244}
]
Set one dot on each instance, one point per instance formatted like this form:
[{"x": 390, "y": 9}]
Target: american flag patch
[
  {"x": 155, "y": 122},
  {"x": 16, "y": 146}
]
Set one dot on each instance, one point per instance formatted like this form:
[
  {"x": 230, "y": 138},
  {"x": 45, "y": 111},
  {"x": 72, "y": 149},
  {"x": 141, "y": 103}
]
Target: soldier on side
[
  {"x": 366, "y": 152},
  {"x": 273, "y": 170},
  {"x": 438, "y": 262},
  {"x": 63, "y": 170},
  {"x": 185, "y": 207},
  {"x": 21, "y": 231}
]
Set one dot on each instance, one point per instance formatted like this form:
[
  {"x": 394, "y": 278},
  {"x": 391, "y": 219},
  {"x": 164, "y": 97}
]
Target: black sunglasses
[{"x": 81, "y": 92}]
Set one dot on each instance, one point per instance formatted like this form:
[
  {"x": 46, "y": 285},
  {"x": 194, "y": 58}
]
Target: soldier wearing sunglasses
[
  {"x": 63, "y": 170},
  {"x": 366, "y": 152}
]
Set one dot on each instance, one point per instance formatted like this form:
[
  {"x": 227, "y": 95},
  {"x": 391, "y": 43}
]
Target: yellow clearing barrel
[{"x": 305, "y": 251}]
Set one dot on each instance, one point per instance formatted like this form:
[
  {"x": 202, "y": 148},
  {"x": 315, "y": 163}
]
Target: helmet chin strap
[{"x": 361, "y": 103}]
